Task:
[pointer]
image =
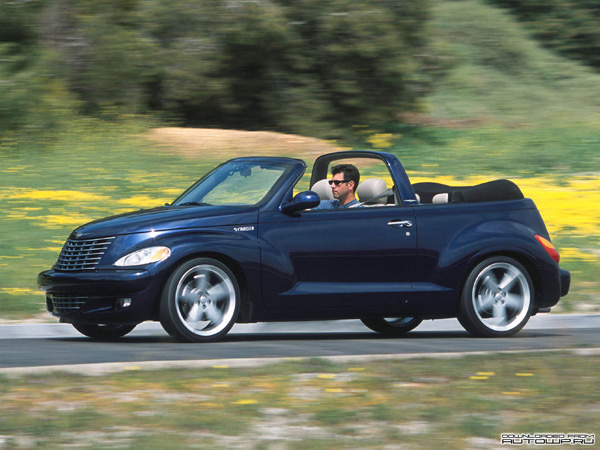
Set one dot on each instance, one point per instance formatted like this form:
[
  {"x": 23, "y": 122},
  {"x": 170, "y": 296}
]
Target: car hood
[{"x": 168, "y": 218}]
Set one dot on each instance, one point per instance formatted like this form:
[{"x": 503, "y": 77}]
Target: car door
[{"x": 355, "y": 257}]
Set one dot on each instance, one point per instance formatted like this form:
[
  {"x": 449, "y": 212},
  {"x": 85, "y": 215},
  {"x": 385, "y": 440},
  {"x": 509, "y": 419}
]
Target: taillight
[{"x": 549, "y": 248}]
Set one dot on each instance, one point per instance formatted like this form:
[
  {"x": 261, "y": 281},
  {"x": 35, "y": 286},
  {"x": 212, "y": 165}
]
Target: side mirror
[{"x": 303, "y": 200}]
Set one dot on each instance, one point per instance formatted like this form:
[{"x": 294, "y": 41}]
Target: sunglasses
[{"x": 336, "y": 182}]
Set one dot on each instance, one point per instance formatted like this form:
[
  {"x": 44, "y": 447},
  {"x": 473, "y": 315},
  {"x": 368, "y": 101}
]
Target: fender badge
[{"x": 248, "y": 228}]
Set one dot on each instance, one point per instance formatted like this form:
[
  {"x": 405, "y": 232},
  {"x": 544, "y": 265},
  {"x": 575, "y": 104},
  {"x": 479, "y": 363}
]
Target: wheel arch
[
  {"x": 518, "y": 256},
  {"x": 228, "y": 261}
]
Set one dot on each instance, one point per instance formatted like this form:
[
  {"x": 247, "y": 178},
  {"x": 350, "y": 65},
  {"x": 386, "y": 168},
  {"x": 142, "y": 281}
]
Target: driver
[{"x": 344, "y": 181}]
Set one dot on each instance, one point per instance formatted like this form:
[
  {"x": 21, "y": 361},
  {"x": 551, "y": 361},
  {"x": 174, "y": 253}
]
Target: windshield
[{"x": 235, "y": 183}]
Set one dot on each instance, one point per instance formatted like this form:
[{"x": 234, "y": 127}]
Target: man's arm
[{"x": 328, "y": 204}]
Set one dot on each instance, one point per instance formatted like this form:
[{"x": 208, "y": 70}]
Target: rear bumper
[
  {"x": 552, "y": 284},
  {"x": 565, "y": 282}
]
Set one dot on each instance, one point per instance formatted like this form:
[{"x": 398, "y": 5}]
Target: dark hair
[{"x": 350, "y": 172}]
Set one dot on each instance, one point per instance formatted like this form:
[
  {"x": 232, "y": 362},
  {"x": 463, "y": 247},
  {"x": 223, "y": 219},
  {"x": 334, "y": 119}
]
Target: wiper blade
[{"x": 192, "y": 204}]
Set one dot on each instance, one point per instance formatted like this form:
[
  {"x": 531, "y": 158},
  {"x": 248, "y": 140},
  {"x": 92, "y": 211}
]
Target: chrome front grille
[
  {"x": 65, "y": 303},
  {"x": 82, "y": 254}
]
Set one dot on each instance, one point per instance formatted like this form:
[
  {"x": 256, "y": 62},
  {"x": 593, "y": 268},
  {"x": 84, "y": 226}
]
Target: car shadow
[
  {"x": 324, "y": 336},
  {"x": 317, "y": 336},
  {"x": 411, "y": 336}
]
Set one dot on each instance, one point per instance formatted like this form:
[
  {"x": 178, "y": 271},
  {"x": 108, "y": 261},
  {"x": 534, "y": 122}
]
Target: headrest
[
  {"x": 323, "y": 189},
  {"x": 440, "y": 198},
  {"x": 371, "y": 188}
]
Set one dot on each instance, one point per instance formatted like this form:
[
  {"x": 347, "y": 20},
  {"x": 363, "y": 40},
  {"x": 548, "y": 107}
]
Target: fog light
[{"x": 123, "y": 303}]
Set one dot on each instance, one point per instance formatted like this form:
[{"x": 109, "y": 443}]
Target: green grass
[
  {"x": 97, "y": 171},
  {"x": 46, "y": 190},
  {"x": 423, "y": 403},
  {"x": 495, "y": 150}
]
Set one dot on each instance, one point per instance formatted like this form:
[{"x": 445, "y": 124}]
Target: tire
[
  {"x": 105, "y": 332},
  {"x": 200, "y": 301},
  {"x": 393, "y": 326},
  {"x": 497, "y": 298}
]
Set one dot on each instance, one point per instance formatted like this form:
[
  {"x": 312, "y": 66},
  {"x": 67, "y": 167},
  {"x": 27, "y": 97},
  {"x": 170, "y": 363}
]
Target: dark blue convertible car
[{"x": 238, "y": 246}]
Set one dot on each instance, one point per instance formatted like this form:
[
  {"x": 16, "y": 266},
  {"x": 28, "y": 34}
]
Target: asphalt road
[{"x": 35, "y": 345}]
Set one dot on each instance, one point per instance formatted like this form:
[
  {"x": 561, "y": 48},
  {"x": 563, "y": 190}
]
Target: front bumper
[{"x": 98, "y": 296}]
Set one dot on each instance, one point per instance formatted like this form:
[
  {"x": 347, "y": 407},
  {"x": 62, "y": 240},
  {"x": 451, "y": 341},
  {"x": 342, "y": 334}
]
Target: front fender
[{"x": 237, "y": 247}]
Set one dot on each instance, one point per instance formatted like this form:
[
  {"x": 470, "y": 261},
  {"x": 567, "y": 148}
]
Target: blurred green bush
[
  {"x": 570, "y": 27},
  {"x": 305, "y": 66}
]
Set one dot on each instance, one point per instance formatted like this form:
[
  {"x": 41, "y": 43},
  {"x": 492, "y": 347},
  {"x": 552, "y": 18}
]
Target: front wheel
[
  {"x": 200, "y": 301},
  {"x": 104, "y": 331},
  {"x": 497, "y": 298},
  {"x": 395, "y": 326}
]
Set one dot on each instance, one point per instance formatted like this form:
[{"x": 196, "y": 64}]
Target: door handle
[{"x": 400, "y": 223}]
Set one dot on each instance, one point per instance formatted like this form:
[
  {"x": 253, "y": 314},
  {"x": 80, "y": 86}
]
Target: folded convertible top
[{"x": 492, "y": 191}]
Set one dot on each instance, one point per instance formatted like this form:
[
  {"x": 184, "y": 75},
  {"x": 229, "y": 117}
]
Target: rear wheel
[
  {"x": 392, "y": 326},
  {"x": 497, "y": 298},
  {"x": 104, "y": 331},
  {"x": 200, "y": 302}
]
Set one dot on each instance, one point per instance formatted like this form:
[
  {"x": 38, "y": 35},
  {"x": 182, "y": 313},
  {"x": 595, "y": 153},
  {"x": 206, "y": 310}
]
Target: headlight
[{"x": 145, "y": 256}]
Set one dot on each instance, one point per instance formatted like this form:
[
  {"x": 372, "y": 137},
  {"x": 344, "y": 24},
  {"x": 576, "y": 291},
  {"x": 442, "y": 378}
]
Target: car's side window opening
[{"x": 375, "y": 187}]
